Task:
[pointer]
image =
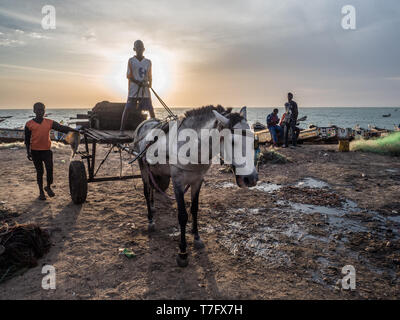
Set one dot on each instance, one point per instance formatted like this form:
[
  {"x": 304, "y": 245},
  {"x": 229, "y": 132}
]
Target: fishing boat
[
  {"x": 258, "y": 126},
  {"x": 386, "y": 115},
  {"x": 11, "y": 135},
  {"x": 18, "y": 134},
  {"x": 311, "y": 134}
]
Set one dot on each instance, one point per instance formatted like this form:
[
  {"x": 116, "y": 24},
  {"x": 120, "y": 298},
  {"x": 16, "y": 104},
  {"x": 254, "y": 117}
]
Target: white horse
[{"x": 157, "y": 174}]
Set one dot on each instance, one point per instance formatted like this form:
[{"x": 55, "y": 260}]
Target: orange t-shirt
[{"x": 40, "y": 137}]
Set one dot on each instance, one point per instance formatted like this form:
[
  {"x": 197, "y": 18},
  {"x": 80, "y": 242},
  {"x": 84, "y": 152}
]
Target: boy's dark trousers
[
  {"x": 38, "y": 157},
  {"x": 292, "y": 127}
]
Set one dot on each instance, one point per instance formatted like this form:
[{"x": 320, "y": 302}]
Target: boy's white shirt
[{"x": 140, "y": 71}]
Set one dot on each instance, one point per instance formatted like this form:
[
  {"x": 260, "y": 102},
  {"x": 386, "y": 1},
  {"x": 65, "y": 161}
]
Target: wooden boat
[
  {"x": 258, "y": 127},
  {"x": 264, "y": 136},
  {"x": 13, "y": 135}
]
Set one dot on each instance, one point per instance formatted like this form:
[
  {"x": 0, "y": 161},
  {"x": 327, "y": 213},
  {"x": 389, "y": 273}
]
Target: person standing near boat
[
  {"x": 38, "y": 146},
  {"x": 290, "y": 121},
  {"x": 139, "y": 76},
  {"x": 273, "y": 127}
]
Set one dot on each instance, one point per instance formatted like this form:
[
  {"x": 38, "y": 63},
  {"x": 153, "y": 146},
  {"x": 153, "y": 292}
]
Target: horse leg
[
  {"x": 195, "y": 191},
  {"x": 182, "y": 258},
  {"x": 152, "y": 199},
  {"x": 148, "y": 194}
]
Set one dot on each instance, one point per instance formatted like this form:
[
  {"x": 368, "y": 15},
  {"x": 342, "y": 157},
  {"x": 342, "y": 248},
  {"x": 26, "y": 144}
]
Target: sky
[{"x": 229, "y": 52}]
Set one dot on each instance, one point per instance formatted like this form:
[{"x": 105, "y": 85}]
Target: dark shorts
[{"x": 145, "y": 104}]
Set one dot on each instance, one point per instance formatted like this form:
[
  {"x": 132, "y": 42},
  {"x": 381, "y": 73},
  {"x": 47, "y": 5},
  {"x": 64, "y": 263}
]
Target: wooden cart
[
  {"x": 101, "y": 127},
  {"x": 79, "y": 176}
]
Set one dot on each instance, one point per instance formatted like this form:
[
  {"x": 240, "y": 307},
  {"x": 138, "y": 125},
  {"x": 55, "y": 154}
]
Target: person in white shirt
[{"x": 140, "y": 78}]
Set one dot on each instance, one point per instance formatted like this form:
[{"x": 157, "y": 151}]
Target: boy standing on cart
[
  {"x": 139, "y": 78},
  {"x": 38, "y": 146}
]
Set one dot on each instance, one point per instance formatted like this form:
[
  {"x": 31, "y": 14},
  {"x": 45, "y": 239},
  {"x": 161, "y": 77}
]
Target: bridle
[{"x": 233, "y": 131}]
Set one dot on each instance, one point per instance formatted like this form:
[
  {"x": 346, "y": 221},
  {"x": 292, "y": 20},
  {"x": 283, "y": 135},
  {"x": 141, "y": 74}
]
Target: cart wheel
[{"x": 77, "y": 182}]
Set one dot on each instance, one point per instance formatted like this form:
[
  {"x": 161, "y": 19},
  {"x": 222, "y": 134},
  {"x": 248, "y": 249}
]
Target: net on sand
[
  {"x": 20, "y": 247},
  {"x": 389, "y": 145}
]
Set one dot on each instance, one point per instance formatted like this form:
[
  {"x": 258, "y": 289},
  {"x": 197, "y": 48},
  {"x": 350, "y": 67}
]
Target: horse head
[{"x": 238, "y": 146}]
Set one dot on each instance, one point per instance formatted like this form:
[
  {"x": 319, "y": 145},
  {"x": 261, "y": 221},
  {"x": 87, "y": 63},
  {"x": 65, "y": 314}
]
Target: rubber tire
[{"x": 78, "y": 184}]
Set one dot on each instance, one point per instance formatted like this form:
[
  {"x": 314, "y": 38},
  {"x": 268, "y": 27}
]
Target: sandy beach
[{"x": 287, "y": 238}]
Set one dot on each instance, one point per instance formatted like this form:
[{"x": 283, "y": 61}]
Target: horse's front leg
[
  {"x": 150, "y": 206},
  {"x": 148, "y": 194},
  {"x": 182, "y": 258},
  {"x": 195, "y": 192}
]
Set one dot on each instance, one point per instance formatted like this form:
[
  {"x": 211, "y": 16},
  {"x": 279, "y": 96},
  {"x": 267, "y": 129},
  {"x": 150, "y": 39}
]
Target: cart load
[{"x": 107, "y": 116}]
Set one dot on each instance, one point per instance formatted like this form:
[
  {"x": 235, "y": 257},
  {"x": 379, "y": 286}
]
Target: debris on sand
[
  {"x": 127, "y": 253},
  {"x": 306, "y": 195},
  {"x": 266, "y": 187},
  {"x": 12, "y": 145},
  {"x": 312, "y": 183},
  {"x": 6, "y": 215},
  {"x": 21, "y": 245},
  {"x": 270, "y": 156},
  {"x": 312, "y": 238}
]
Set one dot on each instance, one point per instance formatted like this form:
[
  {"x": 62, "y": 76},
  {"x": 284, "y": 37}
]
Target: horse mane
[
  {"x": 205, "y": 113},
  {"x": 207, "y": 110}
]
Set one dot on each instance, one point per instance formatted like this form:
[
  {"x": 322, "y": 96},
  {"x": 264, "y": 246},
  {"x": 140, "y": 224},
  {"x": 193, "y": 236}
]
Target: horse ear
[
  {"x": 243, "y": 113},
  {"x": 224, "y": 120}
]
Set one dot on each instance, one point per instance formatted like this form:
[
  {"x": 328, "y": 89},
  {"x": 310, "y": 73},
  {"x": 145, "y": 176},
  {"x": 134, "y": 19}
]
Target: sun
[{"x": 162, "y": 65}]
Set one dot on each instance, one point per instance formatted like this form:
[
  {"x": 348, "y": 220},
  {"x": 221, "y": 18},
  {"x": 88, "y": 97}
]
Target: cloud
[
  {"x": 18, "y": 37},
  {"x": 11, "y": 42},
  {"x": 36, "y": 35},
  {"x": 228, "y": 49}
]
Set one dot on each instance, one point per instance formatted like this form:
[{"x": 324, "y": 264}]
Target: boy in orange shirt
[{"x": 38, "y": 144}]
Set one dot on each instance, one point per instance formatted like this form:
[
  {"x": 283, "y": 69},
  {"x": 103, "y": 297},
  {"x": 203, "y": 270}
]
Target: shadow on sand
[{"x": 165, "y": 280}]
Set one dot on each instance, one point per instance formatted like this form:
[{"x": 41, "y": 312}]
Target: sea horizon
[
  {"x": 188, "y": 107},
  {"x": 345, "y": 117}
]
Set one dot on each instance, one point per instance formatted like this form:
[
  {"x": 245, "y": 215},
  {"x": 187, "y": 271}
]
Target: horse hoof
[
  {"x": 151, "y": 227},
  {"x": 198, "y": 244},
  {"x": 182, "y": 262}
]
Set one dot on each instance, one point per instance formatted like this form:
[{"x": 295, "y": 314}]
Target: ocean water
[{"x": 341, "y": 117}]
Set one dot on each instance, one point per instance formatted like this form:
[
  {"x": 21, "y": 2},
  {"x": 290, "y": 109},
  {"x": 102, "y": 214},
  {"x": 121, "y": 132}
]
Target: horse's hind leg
[
  {"x": 195, "y": 191},
  {"x": 182, "y": 258}
]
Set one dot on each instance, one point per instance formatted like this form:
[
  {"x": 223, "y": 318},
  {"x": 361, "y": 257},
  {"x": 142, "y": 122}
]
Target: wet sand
[{"x": 287, "y": 238}]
